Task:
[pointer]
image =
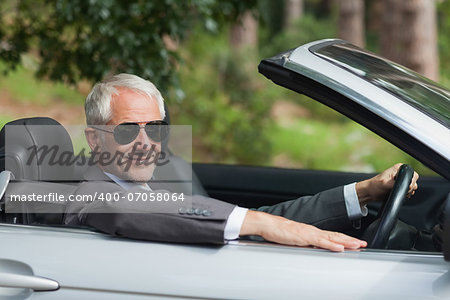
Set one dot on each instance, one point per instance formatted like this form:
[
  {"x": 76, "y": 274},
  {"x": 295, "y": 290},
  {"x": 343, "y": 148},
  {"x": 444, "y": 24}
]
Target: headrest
[{"x": 35, "y": 149}]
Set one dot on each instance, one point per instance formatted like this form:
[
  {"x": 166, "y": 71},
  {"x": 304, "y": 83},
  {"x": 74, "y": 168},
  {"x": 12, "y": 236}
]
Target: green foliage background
[
  {"x": 91, "y": 39},
  {"x": 444, "y": 40},
  {"x": 207, "y": 83}
]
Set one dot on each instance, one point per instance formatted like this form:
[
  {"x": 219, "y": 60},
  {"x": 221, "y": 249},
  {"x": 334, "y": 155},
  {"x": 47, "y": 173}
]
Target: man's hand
[
  {"x": 283, "y": 231},
  {"x": 378, "y": 188}
]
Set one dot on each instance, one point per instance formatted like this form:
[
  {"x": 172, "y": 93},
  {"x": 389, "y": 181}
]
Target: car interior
[{"x": 248, "y": 186}]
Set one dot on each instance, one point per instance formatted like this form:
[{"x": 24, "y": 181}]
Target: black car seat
[
  {"x": 36, "y": 171},
  {"x": 26, "y": 134}
]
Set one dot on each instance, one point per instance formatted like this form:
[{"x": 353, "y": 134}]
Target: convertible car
[{"x": 409, "y": 241}]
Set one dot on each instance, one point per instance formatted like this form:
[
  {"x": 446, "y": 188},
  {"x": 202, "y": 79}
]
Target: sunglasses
[{"x": 125, "y": 133}]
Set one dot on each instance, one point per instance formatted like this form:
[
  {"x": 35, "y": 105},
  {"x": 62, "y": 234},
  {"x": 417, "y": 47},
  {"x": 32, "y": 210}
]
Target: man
[{"x": 131, "y": 106}]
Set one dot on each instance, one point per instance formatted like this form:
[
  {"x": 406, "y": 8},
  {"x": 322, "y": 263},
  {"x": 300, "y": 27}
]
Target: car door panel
[{"x": 90, "y": 265}]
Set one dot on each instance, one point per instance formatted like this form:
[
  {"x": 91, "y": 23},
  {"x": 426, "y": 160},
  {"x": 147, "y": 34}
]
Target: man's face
[{"x": 131, "y": 107}]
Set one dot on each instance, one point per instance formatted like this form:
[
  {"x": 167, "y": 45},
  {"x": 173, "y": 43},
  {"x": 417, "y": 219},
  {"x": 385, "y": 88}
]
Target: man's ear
[{"x": 92, "y": 138}]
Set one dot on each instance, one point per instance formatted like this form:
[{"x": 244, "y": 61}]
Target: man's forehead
[
  {"x": 126, "y": 96},
  {"x": 122, "y": 91},
  {"x": 133, "y": 106}
]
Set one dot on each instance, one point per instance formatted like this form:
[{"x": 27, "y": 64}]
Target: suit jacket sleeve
[
  {"x": 123, "y": 221},
  {"x": 325, "y": 210}
]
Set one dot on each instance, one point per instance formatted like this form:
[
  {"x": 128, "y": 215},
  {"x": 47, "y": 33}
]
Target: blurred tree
[
  {"x": 419, "y": 32},
  {"x": 244, "y": 33},
  {"x": 375, "y": 13},
  {"x": 80, "y": 39},
  {"x": 293, "y": 10},
  {"x": 390, "y": 34},
  {"x": 410, "y": 35},
  {"x": 351, "y": 21}
]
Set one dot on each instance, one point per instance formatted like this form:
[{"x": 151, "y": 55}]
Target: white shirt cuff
[
  {"x": 234, "y": 223},
  {"x": 354, "y": 210}
]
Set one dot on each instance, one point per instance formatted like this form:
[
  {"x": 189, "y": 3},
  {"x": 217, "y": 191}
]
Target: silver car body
[
  {"x": 89, "y": 265},
  {"x": 63, "y": 263}
]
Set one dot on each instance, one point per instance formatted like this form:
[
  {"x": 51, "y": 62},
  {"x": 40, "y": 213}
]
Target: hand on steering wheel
[{"x": 377, "y": 234}]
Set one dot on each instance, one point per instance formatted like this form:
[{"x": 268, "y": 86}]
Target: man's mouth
[{"x": 142, "y": 158}]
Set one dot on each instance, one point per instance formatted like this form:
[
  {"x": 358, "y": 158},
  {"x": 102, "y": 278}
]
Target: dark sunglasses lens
[
  {"x": 157, "y": 132},
  {"x": 126, "y": 133}
]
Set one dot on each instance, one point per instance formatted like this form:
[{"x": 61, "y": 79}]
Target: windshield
[{"x": 416, "y": 90}]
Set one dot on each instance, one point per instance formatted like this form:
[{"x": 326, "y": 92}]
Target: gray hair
[{"x": 97, "y": 105}]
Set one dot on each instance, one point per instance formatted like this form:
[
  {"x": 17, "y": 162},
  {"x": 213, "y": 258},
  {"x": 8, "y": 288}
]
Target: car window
[{"x": 304, "y": 134}]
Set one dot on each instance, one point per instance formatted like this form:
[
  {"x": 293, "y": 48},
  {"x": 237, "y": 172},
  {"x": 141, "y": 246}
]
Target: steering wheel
[{"x": 377, "y": 234}]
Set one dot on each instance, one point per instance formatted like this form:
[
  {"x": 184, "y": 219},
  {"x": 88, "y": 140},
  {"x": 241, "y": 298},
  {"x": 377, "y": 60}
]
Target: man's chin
[
  {"x": 141, "y": 173},
  {"x": 136, "y": 177}
]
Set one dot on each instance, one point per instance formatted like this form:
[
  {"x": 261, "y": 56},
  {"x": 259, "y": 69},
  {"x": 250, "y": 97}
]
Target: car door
[{"x": 89, "y": 265}]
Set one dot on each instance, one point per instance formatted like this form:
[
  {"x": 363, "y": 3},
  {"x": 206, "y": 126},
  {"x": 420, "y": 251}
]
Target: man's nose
[{"x": 143, "y": 142}]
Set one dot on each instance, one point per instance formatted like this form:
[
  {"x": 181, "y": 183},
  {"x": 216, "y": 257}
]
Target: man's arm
[
  {"x": 326, "y": 210},
  {"x": 195, "y": 229},
  {"x": 281, "y": 230},
  {"x": 210, "y": 228},
  {"x": 113, "y": 219}
]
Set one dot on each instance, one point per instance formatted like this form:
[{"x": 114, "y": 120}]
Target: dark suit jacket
[{"x": 326, "y": 210}]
